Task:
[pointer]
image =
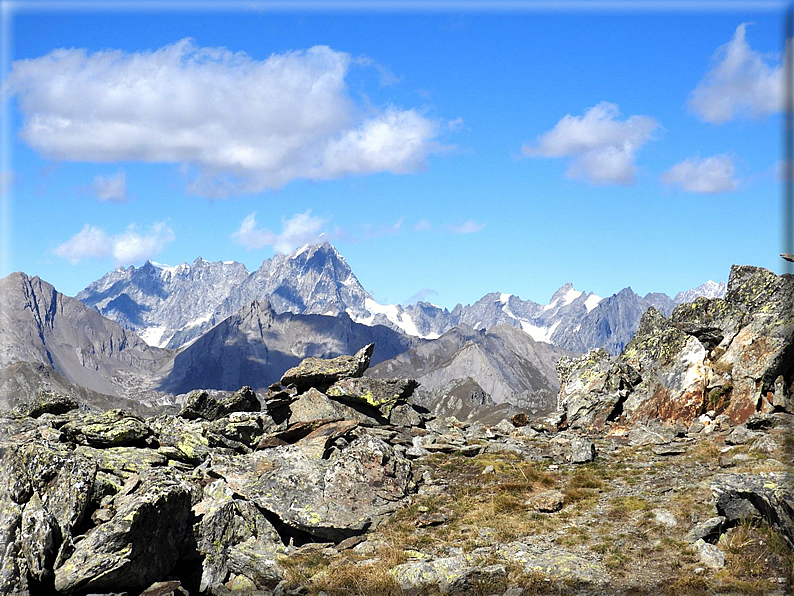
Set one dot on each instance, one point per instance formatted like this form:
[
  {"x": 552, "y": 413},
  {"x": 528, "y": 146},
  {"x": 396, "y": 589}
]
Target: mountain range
[
  {"x": 145, "y": 335},
  {"x": 171, "y": 306}
]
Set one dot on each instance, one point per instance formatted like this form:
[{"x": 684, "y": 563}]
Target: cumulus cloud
[
  {"x": 710, "y": 175},
  {"x": 742, "y": 82},
  {"x": 601, "y": 147},
  {"x": 467, "y": 227},
  {"x": 237, "y": 124},
  {"x": 112, "y": 188},
  {"x": 300, "y": 229},
  {"x": 131, "y": 246}
]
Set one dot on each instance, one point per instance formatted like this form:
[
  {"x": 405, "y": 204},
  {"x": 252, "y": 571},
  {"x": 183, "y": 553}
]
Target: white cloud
[
  {"x": 113, "y": 188},
  {"x": 421, "y": 296},
  {"x": 237, "y": 123},
  {"x": 422, "y": 226},
  {"x": 711, "y": 175},
  {"x": 467, "y": 227},
  {"x": 602, "y": 148},
  {"x": 300, "y": 229},
  {"x": 742, "y": 82},
  {"x": 131, "y": 246}
]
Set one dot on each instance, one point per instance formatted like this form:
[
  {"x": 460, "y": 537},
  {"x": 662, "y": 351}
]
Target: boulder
[
  {"x": 226, "y": 524},
  {"x": 593, "y": 388},
  {"x": 180, "y": 439},
  {"x": 138, "y": 546},
  {"x": 331, "y": 498},
  {"x": 212, "y": 405},
  {"x": 108, "y": 429},
  {"x": 379, "y": 394},
  {"x": 554, "y": 562},
  {"x": 582, "y": 451},
  {"x": 48, "y": 402},
  {"x": 322, "y": 373},
  {"x": 450, "y": 575},
  {"x": 768, "y": 496},
  {"x": 314, "y": 405}
]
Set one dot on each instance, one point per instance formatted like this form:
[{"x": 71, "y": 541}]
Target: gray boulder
[
  {"x": 379, "y": 394},
  {"x": 332, "y": 498},
  {"x": 768, "y": 496},
  {"x": 212, "y": 405},
  {"x": 138, "y": 546},
  {"x": 322, "y": 373}
]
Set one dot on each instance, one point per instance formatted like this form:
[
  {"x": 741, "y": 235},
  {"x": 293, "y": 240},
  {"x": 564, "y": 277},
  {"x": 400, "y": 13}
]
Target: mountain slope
[
  {"x": 504, "y": 361},
  {"x": 256, "y": 344},
  {"x": 40, "y": 325},
  {"x": 156, "y": 301}
]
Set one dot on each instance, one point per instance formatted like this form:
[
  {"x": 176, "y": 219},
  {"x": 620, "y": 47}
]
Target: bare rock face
[
  {"x": 594, "y": 388},
  {"x": 733, "y": 356}
]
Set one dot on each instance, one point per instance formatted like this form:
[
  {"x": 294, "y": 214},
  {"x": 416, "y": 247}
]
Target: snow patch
[
  {"x": 503, "y": 298},
  {"x": 570, "y": 296},
  {"x": 300, "y": 251},
  {"x": 592, "y": 301},
  {"x": 154, "y": 336},
  {"x": 539, "y": 333},
  {"x": 551, "y": 304},
  {"x": 199, "y": 321},
  {"x": 392, "y": 312}
]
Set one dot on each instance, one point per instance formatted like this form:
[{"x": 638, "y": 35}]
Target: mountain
[
  {"x": 156, "y": 300},
  {"x": 41, "y": 326},
  {"x": 257, "y": 344},
  {"x": 505, "y": 362},
  {"x": 710, "y": 289}
]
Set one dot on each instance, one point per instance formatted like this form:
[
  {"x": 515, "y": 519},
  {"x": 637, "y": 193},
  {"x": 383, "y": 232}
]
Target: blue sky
[{"x": 453, "y": 151}]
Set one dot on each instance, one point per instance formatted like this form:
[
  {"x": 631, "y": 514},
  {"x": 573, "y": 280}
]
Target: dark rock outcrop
[{"x": 211, "y": 405}]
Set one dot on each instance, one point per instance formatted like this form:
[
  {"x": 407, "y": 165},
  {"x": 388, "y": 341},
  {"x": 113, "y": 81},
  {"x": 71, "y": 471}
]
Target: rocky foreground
[{"x": 335, "y": 483}]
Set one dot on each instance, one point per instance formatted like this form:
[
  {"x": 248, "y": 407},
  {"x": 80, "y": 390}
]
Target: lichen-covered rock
[
  {"x": 449, "y": 575},
  {"x": 41, "y": 537},
  {"x": 226, "y": 524},
  {"x": 212, "y": 405},
  {"x": 379, "y": 394},
  {"x": 331, "y": 498},
  {"x": 48, "y": 402},
  {"x": 314, "y": 405},
  {"x": 582, "y": 451},
  {"x": 108, "y": 429},
  {"x": 673, "y": 370},
  {"x": 322, "y": 373},
  {"x": 731, "y": 355},
  {"x": 180, "y": 439},
  {"x": 593, "y": 388},
  {"x": 138, "y": 546},
  {"x": 768, "y": 496},
  {"x": 406, "y": 416},
  {"x": 554, "y": 562}
]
